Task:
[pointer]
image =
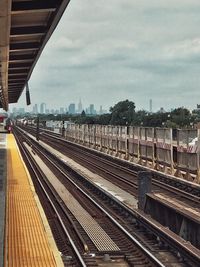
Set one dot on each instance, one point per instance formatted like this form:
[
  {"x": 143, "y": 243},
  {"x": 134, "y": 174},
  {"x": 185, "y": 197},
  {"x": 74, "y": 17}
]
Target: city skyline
[
  {"x": 72, "y": 108},
  {"x": 129, "y": 50}
]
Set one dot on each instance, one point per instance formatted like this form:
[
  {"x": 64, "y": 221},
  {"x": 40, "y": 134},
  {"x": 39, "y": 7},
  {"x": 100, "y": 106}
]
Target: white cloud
[
  {"x": 65, "y": 43},
  {"x": 103, "y": 51},
  {"x": 185, "y": 48}
]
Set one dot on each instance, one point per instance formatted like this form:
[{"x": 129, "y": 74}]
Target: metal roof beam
[
  {"x": 21, "y": 60},
  {"x": 24, "y": 31},
  {"x": 34, "y": 6},
  {"x": 24, "y": 46},
  {"x": 14, "y": 57},
  {"x": 16, "y": 84},
  {"x": 20, "y": 57},
  {"x": 13, "y": 93},
  {"x": 10, "y": 74},
  {"x": 19, "y": 65},
  {"x": 22, "y": 81},
  {"x": 18, "y": 77},
  {"x": 13, "y": 87},
  {"x": 16, "y": 71}
]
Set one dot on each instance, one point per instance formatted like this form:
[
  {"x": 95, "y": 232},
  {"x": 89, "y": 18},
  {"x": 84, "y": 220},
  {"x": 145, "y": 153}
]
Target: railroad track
[
  {"x": 119, "y": 175},
  {"x": 133, "y": 251},
  {"x": 138, "y": 225},
  {"x": 54, "y": 211},
  {"x": 122, "y": 173}
]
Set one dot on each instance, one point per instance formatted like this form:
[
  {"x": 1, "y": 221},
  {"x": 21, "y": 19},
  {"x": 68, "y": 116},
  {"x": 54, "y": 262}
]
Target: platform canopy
[{"x": 25, "y": 27}]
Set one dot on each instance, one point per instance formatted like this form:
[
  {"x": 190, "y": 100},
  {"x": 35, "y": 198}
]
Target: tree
[
  {"x": 104, "y": 119},
  {"x": 122, "y": 113},
  {"x": 83, "y": 113},
  {"x": 181, "y": 116}
]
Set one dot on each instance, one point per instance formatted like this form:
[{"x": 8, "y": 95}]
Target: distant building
[
  {"x": 91, "y": 109},
  {"x": 71, "y": 109},
  {"x": 87, "y": 110},
  {"x": 150, "y": 106},
  {"x": 62, "y": 110},
  {"x": 42, "y": 108},
  {"x": 35, "y": 109},
  {"x": 80, "y": 107},
  {"x": 101, "y": 110}
]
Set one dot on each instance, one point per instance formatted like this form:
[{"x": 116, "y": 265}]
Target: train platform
[
  {"x": 3, "y": 168},
  {"x": 28, "y": 238}
]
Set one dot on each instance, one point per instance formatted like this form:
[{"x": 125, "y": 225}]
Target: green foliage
[
  {"x": 104, "y": 119},
  {"x": 122, "y": 113},
  {"x": 83, "y": 113},
  {"x": 181, "y": 116}
]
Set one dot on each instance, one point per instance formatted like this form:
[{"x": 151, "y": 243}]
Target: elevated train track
[
  {"x": 121, "y": 172},
  {"x": 127, "y": 247},
  {"x": 130, "y": 217}
]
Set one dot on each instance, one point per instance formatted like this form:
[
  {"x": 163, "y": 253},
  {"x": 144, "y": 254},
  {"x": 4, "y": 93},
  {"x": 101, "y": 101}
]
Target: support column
[
  {"x": 63, "y": 129},
  {"x": 144, "y": 187},
  {"x": 37, "y": 128}
]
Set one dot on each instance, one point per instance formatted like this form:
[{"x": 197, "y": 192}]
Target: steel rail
[
  {"x": 134, "y": 240},
  {"x": 186, "y": 250},
  {"x": 155, "y": 181},
  {"x": 80, "y": 258}
]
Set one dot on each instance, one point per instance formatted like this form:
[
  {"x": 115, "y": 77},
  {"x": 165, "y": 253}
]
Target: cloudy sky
[{"x": 106, "y": 51}]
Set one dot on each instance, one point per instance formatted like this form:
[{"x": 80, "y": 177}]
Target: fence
[
  {"x": 164, "y": 150},
  {"x": 146, "y": 146},
  {"x": 134, "y": 143},
  {"x": 104, "y": 138},
  {"x": 98, "y": 141},
  {"x": 122, "y": 141},
  {"x": 154, "y": 148},
  {"x": 188, "y": 153}
]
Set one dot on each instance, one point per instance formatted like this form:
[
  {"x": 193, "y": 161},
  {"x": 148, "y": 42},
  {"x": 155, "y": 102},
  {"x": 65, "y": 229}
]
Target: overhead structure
[{"x": 25, "y": 27}]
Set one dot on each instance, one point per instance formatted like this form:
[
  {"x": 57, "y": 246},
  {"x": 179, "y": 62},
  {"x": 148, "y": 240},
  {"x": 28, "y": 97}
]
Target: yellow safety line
[{"x": 28, "y": 241}]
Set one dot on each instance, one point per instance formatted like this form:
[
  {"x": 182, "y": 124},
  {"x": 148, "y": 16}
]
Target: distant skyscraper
[
  {"x": 42, "y": 108},
  {"x": 80, "y": 106},
  {"x": 101, "y": 110},
  {"x": 150, "y": 106},
  {"x": 87, "y": 110},
  {"x": 92, "y": 111},
  {"x": 62, "y": 111},
  {"x": 71, "y": 108},
  {"x": 35, "y": 109}
]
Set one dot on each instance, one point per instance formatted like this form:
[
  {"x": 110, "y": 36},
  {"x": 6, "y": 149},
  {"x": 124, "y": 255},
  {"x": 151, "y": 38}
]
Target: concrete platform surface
[{"x": 28, "y": 240}]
